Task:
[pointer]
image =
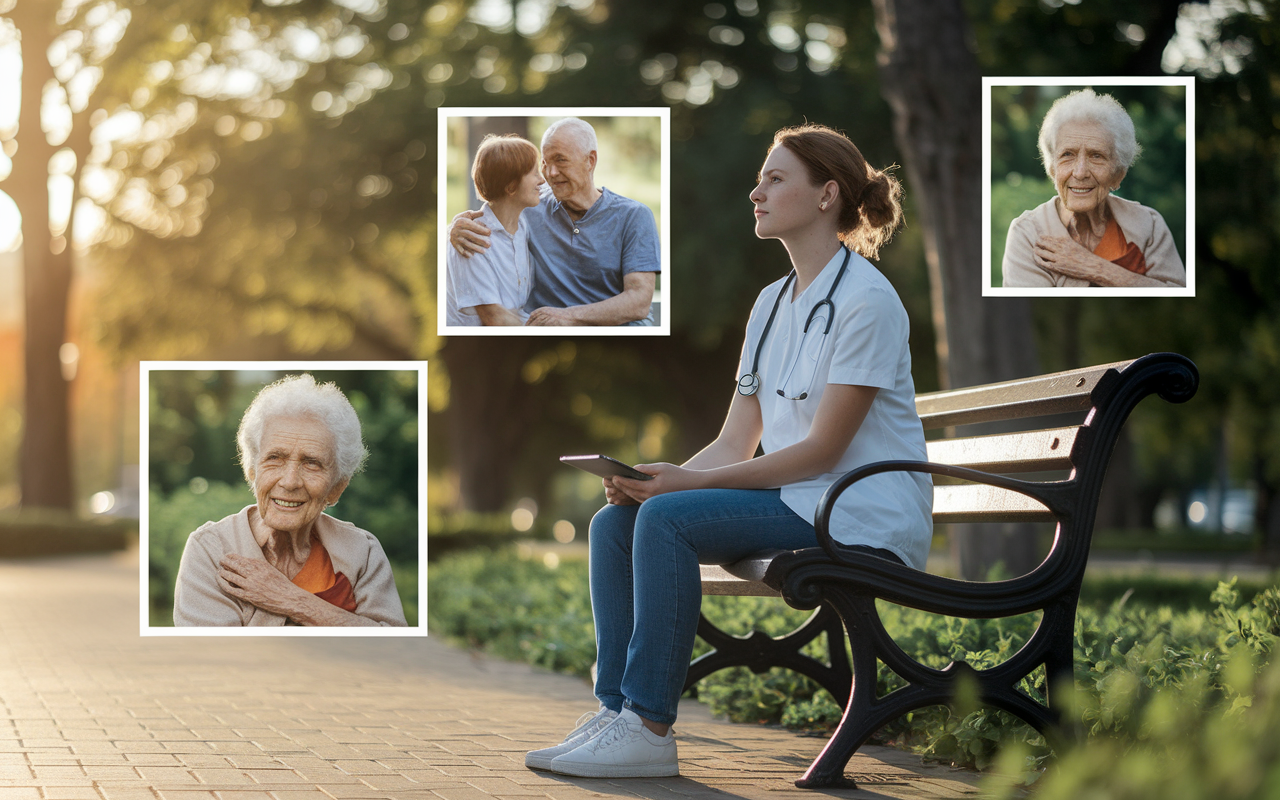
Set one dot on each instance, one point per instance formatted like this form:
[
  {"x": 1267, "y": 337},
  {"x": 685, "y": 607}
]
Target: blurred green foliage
[
  {"x": 1157, "y": 179},
  {"x": 196, "y": 478},
  {"x": 514, "y": 607}
]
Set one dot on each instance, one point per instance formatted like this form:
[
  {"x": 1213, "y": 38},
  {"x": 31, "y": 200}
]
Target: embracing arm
[
  {"x": 839, "y": 416},
  {"x": 468, "y": 236},
  {"x": 631, "y": 305}
]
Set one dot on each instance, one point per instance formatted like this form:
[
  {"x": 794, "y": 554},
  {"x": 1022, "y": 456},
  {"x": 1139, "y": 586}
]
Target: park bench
[{"x": 843, "y": 585}]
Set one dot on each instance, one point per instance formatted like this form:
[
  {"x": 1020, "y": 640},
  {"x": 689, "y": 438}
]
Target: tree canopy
[{"x": 266, "y": 173}]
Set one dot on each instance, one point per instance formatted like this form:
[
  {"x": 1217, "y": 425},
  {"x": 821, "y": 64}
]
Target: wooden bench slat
[
  {"x": 978, "y": 503},
  {"x": 1030, "y": 451},
  {"x": 742, "y": 579},
  {"x": 1059, "y": 393}
]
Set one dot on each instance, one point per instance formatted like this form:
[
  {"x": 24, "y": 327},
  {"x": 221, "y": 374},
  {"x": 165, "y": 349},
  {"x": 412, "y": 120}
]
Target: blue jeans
[{"x": 646, "y": 589}]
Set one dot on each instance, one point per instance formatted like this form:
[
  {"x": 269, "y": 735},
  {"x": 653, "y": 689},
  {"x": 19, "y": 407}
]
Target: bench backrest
[
  {"x": 1102, "y": 395},
  {"x": 1033, "y": 450}
]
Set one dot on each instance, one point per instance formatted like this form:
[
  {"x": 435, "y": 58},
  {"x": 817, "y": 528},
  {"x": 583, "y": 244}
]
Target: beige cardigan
[
  {"x": 1141, "y": 225},
  {"x": 198, "y": 601}
]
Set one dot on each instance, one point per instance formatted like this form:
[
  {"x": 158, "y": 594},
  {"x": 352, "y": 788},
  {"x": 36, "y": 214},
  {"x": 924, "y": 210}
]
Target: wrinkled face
[
  {"x": 295, "y": 476},
  {"x": 785, "y": 198},
  {"x": 1084, "y": 166},
  {"x": 525, "y": 191},
  {"x": 567, "y": 166}
]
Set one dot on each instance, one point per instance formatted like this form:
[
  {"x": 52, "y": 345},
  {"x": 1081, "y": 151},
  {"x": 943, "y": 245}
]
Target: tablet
[{"x": 605, "y": 467}]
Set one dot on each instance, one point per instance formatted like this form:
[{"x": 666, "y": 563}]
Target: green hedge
[{"x": 1134, "y": 661}]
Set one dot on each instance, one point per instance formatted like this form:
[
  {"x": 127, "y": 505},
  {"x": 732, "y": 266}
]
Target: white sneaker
[
  {"x": 624, "y": 748},
  {"x": 588, "y": 725}
]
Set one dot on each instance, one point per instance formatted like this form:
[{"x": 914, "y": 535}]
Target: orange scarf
[
  {"x": 1115, "y": 249},
  {"x": 317, "y": 576}
]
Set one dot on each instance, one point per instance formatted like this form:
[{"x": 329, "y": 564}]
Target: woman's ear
[{"x": 830, "y": 194}]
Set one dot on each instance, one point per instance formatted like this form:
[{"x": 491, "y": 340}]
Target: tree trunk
[
  {"x": 1266, "y": 513},
  {"x": 932, "y": 83},
  {"x": 45, "y": 460},
  {"x": 491, "y": 411}
]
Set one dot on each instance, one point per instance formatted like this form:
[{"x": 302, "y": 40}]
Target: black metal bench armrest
[
  {"x": 793, "y": 574},
  {"x": 1058, "y": 497}
]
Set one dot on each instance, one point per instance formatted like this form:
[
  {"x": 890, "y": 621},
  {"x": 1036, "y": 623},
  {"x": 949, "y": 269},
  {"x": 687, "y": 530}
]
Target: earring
[{"x": 822, "y": 206}]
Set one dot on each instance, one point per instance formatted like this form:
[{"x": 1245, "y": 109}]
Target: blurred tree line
[
  {"x": 266, "y": 176},
  {"x": 195, "y": 475}
]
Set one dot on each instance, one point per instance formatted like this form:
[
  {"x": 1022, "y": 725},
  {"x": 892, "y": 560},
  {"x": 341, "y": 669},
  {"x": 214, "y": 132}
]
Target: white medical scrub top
[
  {"x": 500, "y": 275},
  {"x": 867, "y": 346}
]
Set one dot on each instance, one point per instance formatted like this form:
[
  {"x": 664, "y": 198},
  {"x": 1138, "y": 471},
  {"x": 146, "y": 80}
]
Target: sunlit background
[{"x": 263, "y": 186}]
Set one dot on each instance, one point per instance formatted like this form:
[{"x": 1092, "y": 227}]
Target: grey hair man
[{"x": 595, "y": 253}]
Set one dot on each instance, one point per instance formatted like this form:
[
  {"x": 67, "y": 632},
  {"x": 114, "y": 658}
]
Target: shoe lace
[{"x": 615, "y": 732}]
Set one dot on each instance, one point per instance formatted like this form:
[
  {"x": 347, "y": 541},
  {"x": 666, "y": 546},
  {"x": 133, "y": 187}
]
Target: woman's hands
[
  {"x": 1066, "y": 256},
  {"x": 666, "y": 478},
  {"x": 614, "y": 495},
  {"x": 255, "y": 581}
]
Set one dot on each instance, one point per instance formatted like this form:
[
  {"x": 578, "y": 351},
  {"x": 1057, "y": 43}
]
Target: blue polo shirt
[{"x": 584, "y": 261}]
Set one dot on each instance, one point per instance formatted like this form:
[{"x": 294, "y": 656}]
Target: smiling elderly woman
[
  {"x": 1087, "y": 236},
  {"x": 282, "y": 560}
]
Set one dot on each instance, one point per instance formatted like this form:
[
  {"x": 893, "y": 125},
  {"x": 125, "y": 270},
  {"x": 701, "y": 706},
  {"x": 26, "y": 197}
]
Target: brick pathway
[{"x": 89, "y": 710}]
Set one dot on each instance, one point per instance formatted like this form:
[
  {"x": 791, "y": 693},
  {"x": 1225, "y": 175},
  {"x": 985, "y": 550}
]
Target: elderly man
[{"x": 594, "y": 253}]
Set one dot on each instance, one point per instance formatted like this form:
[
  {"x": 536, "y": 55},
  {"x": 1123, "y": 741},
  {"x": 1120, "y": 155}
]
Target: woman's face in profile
[
  {"x": 295, "y": 475},
  {"x": 1084, "y": 169},
  {"x": 785, "y": 199},
  {"x": 526, "y": 190}
]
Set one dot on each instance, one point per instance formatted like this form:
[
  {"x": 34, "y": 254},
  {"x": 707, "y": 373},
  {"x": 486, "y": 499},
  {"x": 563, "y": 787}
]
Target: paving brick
[
  {"x": 275, "y": 777},
  {"x": 122, "y": 792},
  {"x": 71, "y": 793},
  {"x": 206, "y": 718}
]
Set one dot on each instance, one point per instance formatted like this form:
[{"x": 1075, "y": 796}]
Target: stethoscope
[{"x": 749, "y": 384}]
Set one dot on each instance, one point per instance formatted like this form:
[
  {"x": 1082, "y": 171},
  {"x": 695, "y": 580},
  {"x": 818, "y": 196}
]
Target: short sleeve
[
  {"x": 475, "y": 280},
  {"x": 640, "y": 242},
  {"x": 870, "y": 341}
]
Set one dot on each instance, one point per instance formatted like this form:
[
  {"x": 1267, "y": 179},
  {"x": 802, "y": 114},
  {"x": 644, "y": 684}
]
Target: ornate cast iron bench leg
[
  {"x": 759, "y": 652},
  {"x": 870, "y": 644}
]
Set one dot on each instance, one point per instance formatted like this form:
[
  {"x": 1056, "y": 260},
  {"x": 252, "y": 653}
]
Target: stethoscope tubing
[{"x": 749, "y": 384}]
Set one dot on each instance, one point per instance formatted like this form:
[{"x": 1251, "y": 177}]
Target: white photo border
[
  {"x": 144, "y": 466},
  {"x": 1189, "y": 257},
  {"x": 663, "y": 113}
]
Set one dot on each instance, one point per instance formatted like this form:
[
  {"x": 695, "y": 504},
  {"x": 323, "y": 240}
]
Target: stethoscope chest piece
[{"x": 749, "y": 383}]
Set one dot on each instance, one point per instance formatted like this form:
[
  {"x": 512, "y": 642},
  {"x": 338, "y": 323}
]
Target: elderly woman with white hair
[
  {"x": 1087, "y": 236},
  {"x": 282, "y": 560}
]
